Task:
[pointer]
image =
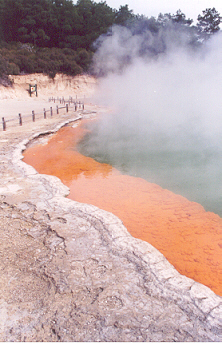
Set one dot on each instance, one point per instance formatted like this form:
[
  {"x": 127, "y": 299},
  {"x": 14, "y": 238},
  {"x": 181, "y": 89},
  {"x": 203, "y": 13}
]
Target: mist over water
[{"x": 166, "y": 119}]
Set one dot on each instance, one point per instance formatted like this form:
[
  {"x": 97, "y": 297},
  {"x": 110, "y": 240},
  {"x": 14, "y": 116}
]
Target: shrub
[{"x": 13, "y": 69}]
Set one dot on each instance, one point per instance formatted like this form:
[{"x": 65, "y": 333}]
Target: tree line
[{"x": 51, "y": 36}]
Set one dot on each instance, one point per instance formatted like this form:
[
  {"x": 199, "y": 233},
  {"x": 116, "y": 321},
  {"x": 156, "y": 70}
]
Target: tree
[
  {"x": 209, "y": 22},
  {"x": 164, "y": 19},
  {"x": 123, "y": 15},
  {"x": 180, "y": 18}
]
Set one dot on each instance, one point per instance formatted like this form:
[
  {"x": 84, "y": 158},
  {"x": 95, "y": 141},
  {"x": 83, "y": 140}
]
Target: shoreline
[{"x": 81, "y": 276}]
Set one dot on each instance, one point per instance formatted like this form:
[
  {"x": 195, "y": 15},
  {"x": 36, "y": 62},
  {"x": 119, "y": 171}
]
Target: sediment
[{"x": 72, "y": 272}]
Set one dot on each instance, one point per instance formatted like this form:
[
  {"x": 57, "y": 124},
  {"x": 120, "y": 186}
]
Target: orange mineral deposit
[{"x": 188, "y": 236}]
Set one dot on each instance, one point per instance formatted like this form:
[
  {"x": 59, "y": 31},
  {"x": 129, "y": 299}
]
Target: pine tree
[{"x": 209, "y": 22}]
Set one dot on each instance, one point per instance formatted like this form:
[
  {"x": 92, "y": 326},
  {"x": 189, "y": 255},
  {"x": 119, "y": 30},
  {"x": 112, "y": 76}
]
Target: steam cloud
[
  {"x": 163, "y": 104},
  {"x": 180, "y": 87}
]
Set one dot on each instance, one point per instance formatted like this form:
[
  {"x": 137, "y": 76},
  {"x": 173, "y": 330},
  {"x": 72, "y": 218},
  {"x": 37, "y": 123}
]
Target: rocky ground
[{"x": 72, "y": 272}]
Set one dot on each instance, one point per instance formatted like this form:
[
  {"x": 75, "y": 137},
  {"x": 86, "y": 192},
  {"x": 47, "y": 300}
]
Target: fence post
[
  {"x": 51, "y": 111},
  {"x": 83, "y": 106},
  {"x": 3, "y": 123},
  {"x": 20, "y": 119},
  {"x": 75, "y": 106},
  {"x": 67, "y": 108},
  {"x": 57, "y": 109},
  {"x": 33, "y": 116},
  {"x": 44, "y": 113}
]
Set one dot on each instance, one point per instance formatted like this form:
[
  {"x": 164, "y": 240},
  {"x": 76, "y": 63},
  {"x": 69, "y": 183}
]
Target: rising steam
[
  {"x": 166, "y": 98},
  {"x": 181, "y": 86}
]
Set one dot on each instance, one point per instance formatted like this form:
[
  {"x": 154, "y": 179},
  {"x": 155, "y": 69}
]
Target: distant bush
[
  {"x": 21, "y": 58},
  {"x": 13, "y": 69}
]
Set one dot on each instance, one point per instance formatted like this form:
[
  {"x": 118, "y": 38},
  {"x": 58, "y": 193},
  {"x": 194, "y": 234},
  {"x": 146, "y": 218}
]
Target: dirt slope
[{"x": 61, "y": 85}]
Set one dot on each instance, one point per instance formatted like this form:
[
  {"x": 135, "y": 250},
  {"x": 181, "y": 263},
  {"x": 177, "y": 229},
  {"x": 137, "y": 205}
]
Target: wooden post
[
  {"x": 51, "y": 111},
  {"x": 44, "y": 113},
  {"x": 3, "y": 124},
  {"x": 57, "y": 109},
  {"x": 83, "y": 106},
  {"x": 20, "y": 119},
  {"x": 33, "y": 116},
  {"x": 67, "y": 108},
  {"x": 75, "y": 107}
]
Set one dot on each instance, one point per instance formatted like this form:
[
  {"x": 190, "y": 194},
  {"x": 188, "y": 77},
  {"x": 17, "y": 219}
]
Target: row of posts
[
  {"x": 70, "y": 101},
  {"x": 62, "y": 100},
  {"x": 33, "y": 115}
]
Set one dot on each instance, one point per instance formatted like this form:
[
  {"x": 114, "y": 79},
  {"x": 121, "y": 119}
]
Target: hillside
[{"x": 58, "y": 36}]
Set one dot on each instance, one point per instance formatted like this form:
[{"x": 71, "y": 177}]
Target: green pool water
[{"x": 183, "y": 161}]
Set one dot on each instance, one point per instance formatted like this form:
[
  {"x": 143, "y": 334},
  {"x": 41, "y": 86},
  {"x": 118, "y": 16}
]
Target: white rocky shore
[{"x": 72, "y": 272}]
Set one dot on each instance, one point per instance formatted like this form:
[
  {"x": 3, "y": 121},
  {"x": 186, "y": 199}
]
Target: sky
[{"x": 191, "y": 8}]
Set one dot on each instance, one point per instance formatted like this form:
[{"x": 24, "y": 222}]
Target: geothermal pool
[
  {"x": 185, "y": 163},
  {"x": 188, "y": 236}
]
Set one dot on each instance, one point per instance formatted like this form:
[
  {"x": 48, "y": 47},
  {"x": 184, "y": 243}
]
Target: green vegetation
[
  {"x": 51, "y": 36},
  {"x": 24, "y": 57}
]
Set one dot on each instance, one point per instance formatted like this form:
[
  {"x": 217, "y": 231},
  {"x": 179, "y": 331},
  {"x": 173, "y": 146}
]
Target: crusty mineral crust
[{"x": 72, "y": 272}]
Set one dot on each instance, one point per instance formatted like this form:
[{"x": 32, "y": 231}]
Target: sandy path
[
  {"x": 16, "y": 99},
  {"x": 11, "y": 109}
]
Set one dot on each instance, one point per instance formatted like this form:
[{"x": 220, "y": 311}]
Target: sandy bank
[
  {"x": 72, "y": 272},
  {"x": 61, "y": 85}
]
